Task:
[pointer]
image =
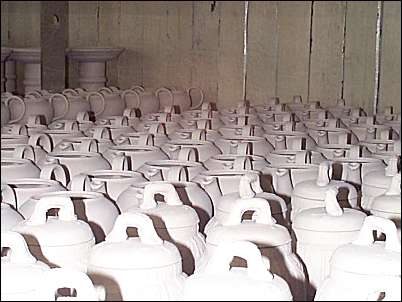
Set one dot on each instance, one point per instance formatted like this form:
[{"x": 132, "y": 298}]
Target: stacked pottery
[{"x": 365, "y": 270}]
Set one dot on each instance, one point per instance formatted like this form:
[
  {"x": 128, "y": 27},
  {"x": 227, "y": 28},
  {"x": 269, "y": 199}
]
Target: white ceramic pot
[
  {"x": 57, "y": 135},
  {"x": 62, "y": 241},
  {"x": 155, "y": 136},
  {"x": 75, "y": 103},
  {"x": 319, "y": 231},
  {"x": 148, "y": 102},
  {"x": 9, "y": 216},
  {"x": 181, "y": 99},
  {"x": 219, "y": 282},
  {"x": 106, "y": 102},
  {"x": 174, "y": 222},
  {"x": 365, "y": 269},
  {"x": 139, "y": 268},
  {"x": 236, "y": 145},
  {"x": 205, "y": 149},
  {"x": 311, "y": 193},
  {"x": 6, "y": 99},
  {"x": 236, "y": 162},
  {"x": 273, "y": 240},
  {"x": 92, "y": 207},
  {"x": 377, "y": 183},
  {"x": 189, "y": 133},
  {"x": 109, "y": 182}
]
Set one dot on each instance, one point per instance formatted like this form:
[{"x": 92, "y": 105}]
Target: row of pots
[{"x": 204, "y": 192}]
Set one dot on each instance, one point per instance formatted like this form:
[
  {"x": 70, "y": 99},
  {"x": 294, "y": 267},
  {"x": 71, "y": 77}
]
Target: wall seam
[
  {"x": 310, "y": 50},
  {"x": 378, "y": 48},
  {"x": 344, "y": 50}
]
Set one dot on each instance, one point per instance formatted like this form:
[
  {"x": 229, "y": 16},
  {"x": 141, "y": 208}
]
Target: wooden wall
[{"x": 321, "y": 50}]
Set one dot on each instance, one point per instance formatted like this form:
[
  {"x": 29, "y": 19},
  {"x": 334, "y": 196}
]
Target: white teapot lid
[
  {"x": 330, "y": 218},
  {"x": 263, "y": 230},
  {"x": 366, "y": 257},
  {"x": 147, "y": 250},
  {"x": 390, "y": 201},
  {"x": 63, "y": 230},
  {"x": 20, "y": 270},
  {"x": 171, "y": 213}
]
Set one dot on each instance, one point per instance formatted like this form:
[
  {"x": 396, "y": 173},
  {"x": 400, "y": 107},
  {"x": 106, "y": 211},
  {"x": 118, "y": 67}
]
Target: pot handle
[
  {"x": 242, "y": 148},
  {"x": 80, "y": 182},
  {"x": 19, "y": 252},
  {"x": 120, "y": 163},
  {"x": 70, "y": 91},
  {"x": 89, "y": 145},
  {"x": 25, "y": 151},
  {"x": 168, "y": 91},
  {"x": 67, "y": 278},
  {"x": 157, "y": 128},
  {"x": 167, "y": 190},
  {"x": 134, "y": 92},
  {"x": 103, "y": 102},
  {"x": 177, "y": 173},
  {"x": 66, "y": 105},
  {"x": 138, "y": 87},
  {"x": 8, "y": 195},
  {"x": 129, "y": 113},
  {"x": 144, "y": 225},
  {"x": 199, "y": 134},
  {"x": 71, "y": 126},
  {"x": 102, "y": 133},
  {"x": 187, "y": 154},
  {"x": 259, "y": 205},
  {"x": 201, "y": 99},
  {"x": 386, "y": 226},
  {"x": 242, "y": 163},
  {"x": 145, "y": 139},
  {"x": 105, "y": 89},
  {"x": 257, "y": 268},
  {"x": 7, "y": 102},
  {"x": 55, "y": 169},
  {"x": 249, "y": 185},
  {"x": 18, "y": 129},
  {"x": 45, "y": 203}
]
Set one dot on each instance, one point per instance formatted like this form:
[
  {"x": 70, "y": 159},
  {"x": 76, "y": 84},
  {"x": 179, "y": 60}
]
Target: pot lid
[
  {"x": 143, "y": 252},
  {"x": 390, "y": 202},
  {"x": 365, "y": 257},
  {"x": 262, "y": 231},
  {"x": 382, "y": 179},
  {"x": 171, "y": 213},
  {"x": 331, "y": 218},
  {"x": 21, "y": 271},
  {"x": 63, "y": 230}
]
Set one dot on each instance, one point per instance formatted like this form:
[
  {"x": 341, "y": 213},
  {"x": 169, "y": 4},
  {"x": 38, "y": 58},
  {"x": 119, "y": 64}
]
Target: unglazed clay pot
[
  {"x": 109, "y": 182},
  {"x": 377, "y": 183},
  {"x": 189, "y": 192},
  {"x": 319, "y": 231},
  {"x": 388, "y": 205},
  {"x": 6, "y": 100},
  {"x": 149, "y": 102},
  {"x": 219, "y": 282},
  {"x": 106, "y": 102},
  {"x": 62, "y": 241},
  {"x": 311, "y": 193},
  {"x": 75, "y": 103},
  {"x": 9, "y": 216},
  {"x": 92, "y": 207},
  {"x": 174, "y": 222},
  {"x": 365, "y": 270},
  {"x": 236, "y": 162},
  {"x": 136, "y": 268},
  {"x": 243, "y": 145},
  {"x": 273, "y": 240}
]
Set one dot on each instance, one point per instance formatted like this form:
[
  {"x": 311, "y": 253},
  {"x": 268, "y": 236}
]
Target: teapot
[
  {"x": 146, "y": 101},
  {"x": 75, "y": 103},
  {"x": 9, "y": 216},
  {"x": 180, "y": 99},
  {"x": 5, "y": 109}
]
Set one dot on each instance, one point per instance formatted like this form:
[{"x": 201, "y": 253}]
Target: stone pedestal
[
  {"x": 31, "y": 57},
  {"x": 92, "y": 65},
  {"x": 5, "y": 53}
]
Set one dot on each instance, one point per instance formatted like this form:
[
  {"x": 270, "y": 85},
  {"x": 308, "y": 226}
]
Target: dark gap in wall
[
  {"x": 97, "y": 22},
  {"x": 310, "y": 50},
  {"x": 378, "y": 47},
  {"x": 344, "y": 50},
  {"x": 276, "y": 49}
]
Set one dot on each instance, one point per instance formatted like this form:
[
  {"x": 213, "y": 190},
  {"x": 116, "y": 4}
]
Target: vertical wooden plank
[
  {"x": 205, "y": 45},
  {"x": 390, "y": 75},
  {"x": 262, "y": 50},
  {"x": 361, "y": 18},
  {"x": 230, "y": 57},
  {"x": 131, "y": 38},
  {"x": 326, "y": 53},
  {"x": 294, "y": 18},
  {"x": 4, "y": 23},
  {"x": 54, "y": 38}
]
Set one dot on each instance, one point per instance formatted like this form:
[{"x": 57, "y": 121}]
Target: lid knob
[
  {"x": 323, "y": 178},
  {"x": 331, "y": 203}
]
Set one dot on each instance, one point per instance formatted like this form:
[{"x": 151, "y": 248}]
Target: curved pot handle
[
  {"x": 70, "y": 91},
  {"x": 257, "y": 268},
  {"x": 102, "y": 133},
  {"x": 167, "y": 190},
  {"x": 386, "y": 226},
  {"x": 177, "y": 173},
  {"x": 8, "y": 195},
  {"x": 66, "y": 105},
  {"x": 89, "y": 145},
  {"x": 18, "y": 129},
  {"x": 331, "y": 203},
  {"x": 55, "y": 169},
  {"x": 67, "y": 278},
  {"x": 138, "y": 87},
  {"x": 156, "y": 128},
  {"x": 144, "y": 225},
  {"x": 45, "y": 203},
  {"x": 25, "y": 151},
  {"x": 134, "y": 92},
  {"x": 103, "y": 102},
  {"x": 105, "y": 89},
  {"x": 145, "y": 139},
  {"x": 187, "y": 154},
  {"x": 7, "y": 102},
  {"x": 193, "y": 107},
  {"x": 19, "y": 249},
  {"x": 120, "y": 162},
  {"x": 242, "y": 163},
  {"x": 168, "y": 91},
  {"x": 259, "y": 205}
]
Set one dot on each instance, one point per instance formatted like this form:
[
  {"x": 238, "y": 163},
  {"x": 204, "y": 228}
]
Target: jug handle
[
  {"x": 70, "y": 91},
  {"x": 131, "y": 91},
  {"x": 14, "y": 97},
  {"x": 55, "y": 169},
  {"x": 187, "y": 154},
  {"x": 19, "y": 249},
  {"x": 8, "y": 196},
  {"x": 120, "y": 163},
  {"x": 25, "y": 151},
  {"x": 168, "y": 91},
  {"x": 89, "y": 145},
  {"x": 201, "y": 99},
  {"x": 166, "y": 189},
  {"x": 45, "y": 203},
  {"x": 66, "y": 104},
  {"x": 103, "y": 105},
  {"x": 139, "y": 87},
  {"x": 259, "y": 205}
]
